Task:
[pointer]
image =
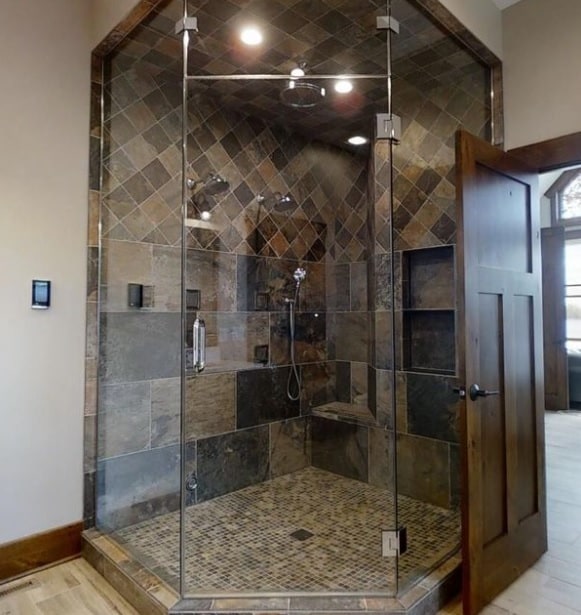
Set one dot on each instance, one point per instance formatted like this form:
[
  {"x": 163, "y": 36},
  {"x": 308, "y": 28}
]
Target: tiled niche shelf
[{"x": 429, "y": 313}]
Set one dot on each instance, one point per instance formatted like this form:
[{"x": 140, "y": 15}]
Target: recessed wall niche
[{"x": 429, "y": 314}]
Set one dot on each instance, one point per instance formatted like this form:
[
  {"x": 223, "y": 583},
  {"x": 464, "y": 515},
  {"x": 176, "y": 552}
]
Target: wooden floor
[
  {"x": 551, "y": 587},
  {"x": 73, "y": 588}
]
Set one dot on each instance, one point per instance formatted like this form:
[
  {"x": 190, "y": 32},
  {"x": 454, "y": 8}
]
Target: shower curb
[
  {"x": 425, "y": 598},
  {"x": 150, "y": 595},
  {"x": 145, "y": 591}
]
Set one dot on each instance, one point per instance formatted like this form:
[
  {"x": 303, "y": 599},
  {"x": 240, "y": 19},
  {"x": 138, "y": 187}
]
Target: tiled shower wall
[
  {"x": 436, "y": 92},
  {"x": 242, "y": 265},
  {"x": 459, "y": 101}
]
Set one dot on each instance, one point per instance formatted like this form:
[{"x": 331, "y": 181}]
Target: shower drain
[{"x": 302, "y": 535}]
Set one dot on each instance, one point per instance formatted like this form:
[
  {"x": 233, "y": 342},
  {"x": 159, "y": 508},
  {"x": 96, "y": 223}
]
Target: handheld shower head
[{"x": 299, "y": 275}]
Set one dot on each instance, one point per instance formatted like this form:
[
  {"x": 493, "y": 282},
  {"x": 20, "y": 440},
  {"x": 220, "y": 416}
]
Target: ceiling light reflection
[
  {"x": 251, "y": 35},
  {"x": 343, "y": 86},
  {"x": 357, "y": 140}
]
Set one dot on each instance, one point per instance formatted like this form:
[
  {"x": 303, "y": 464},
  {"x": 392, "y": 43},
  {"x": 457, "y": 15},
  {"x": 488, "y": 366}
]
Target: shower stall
[{"x": 275, "y": 416}]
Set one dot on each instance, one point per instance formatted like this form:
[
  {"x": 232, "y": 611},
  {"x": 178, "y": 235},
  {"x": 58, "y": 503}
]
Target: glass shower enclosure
[{"x": 277, "y": 295}]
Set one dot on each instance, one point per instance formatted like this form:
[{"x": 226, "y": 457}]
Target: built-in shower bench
[{"x": 343, "y": 411}]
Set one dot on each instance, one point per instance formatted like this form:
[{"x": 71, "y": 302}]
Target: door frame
[
  {"x": 553, "y": 240},
  {"x": 551, "y": 154}
]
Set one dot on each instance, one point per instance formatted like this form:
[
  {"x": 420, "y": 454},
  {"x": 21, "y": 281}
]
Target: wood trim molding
[
  {"x": 139, "y": 12},
  {"x": 456, "y": 28},
  {"x": 21, "y": 556},
  {"x": 552, "y": 154},
  {"x": 572, "y": 234}
]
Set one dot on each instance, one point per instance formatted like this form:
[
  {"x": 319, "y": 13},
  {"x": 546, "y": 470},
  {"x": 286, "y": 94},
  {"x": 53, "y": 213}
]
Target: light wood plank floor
[
  {"x": 551, "y": 587},
  {"x": 72, "y": 588}
]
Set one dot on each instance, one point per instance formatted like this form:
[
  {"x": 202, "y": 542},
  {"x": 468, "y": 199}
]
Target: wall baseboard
[{"x": 27, "y": 554}]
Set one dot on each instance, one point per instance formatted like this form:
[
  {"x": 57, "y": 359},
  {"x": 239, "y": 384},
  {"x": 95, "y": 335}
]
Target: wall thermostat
[{"x": 40, "y": 294}]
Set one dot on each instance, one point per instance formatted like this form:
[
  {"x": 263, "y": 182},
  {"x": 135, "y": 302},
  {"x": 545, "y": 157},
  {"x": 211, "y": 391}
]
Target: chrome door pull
[{"x": 199, "y": 336}]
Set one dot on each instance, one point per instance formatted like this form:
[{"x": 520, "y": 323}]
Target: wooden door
[
  {"x": 500, "y": 351},
  {"x": 554, "y": 319}
]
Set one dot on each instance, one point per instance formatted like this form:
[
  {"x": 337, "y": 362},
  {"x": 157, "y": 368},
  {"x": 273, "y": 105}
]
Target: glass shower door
[{"x": 287, "y": 420}]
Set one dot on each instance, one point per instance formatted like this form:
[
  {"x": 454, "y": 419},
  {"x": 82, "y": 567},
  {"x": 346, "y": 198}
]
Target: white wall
[
  {"x": 542, "y": 48},
  {"x": 105, "y": 15},
  {"x": 483, "y": 18},
  {"x": 44, "y": 119}
]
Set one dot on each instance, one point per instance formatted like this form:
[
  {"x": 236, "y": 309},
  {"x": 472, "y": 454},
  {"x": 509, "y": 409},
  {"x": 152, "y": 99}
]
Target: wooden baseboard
[{"x": 27, "y": 554}]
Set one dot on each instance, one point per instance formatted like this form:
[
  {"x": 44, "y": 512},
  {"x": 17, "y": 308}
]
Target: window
[
  {"x": 573, "y": 294},
  {"x": 570, "y": 200},
  {"x": 565, "y": 196}
]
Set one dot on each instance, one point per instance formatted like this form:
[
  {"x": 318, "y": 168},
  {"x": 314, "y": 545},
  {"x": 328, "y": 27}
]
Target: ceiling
[
  {"x": 333, "y": 37},
  {"x": 504, "y": 4}
]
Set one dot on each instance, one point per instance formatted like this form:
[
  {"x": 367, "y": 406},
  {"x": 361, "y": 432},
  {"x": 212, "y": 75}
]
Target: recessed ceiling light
[
  {"x": 205, "y": 215},
  {"x": 343, "y": 86},
  {"x": 357, "y": 140},
  {"x": 251, "y": 35}
]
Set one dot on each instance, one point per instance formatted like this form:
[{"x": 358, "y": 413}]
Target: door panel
[
  {"x": 506, "y": 245},
  {"x": 554, "y": 319},
  {"x": 499, "y": 349},
  {"x": 493, "y": 421},
  {"x": 524, "y": 379}
]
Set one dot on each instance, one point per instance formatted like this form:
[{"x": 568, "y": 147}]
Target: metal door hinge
[
  {"x": 388, "y": 23},
  {"x": 191, "y": 482},
  {"x": 388, "y": 126},
  {"x": 394, "y": 542},
  {"x": 187, "y": 23}
]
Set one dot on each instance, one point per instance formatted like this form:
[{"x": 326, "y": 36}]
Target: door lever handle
[{"x": 476, "y": 392}]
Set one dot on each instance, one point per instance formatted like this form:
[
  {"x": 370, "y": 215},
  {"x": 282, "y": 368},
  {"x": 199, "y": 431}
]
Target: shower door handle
[{"x": 199, "y": 336}]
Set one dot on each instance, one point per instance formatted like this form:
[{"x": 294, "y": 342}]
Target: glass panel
[
  {"x": 574, "y": 322},
  {"x": 138, "y": 460},
  {"x": 572, "y": 263},
  {"x": 573, "y": 291},
  {"x": 290, "y": 414},
  {"x": 570, "y": 200},
  {"x": 329, "y": 37},
  {"x": 438, "y": 88},
  {"x": 286, "y": 425}
]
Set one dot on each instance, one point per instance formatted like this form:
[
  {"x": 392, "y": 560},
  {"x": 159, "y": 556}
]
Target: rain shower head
[
  {"x": 301, "y": 94},
  {"x": 278, "y": 201},
  {"x": 211, "y": 186}
]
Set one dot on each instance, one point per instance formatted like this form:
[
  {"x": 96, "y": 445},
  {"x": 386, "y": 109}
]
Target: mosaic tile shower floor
[{"x": 242, "y": 542}]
